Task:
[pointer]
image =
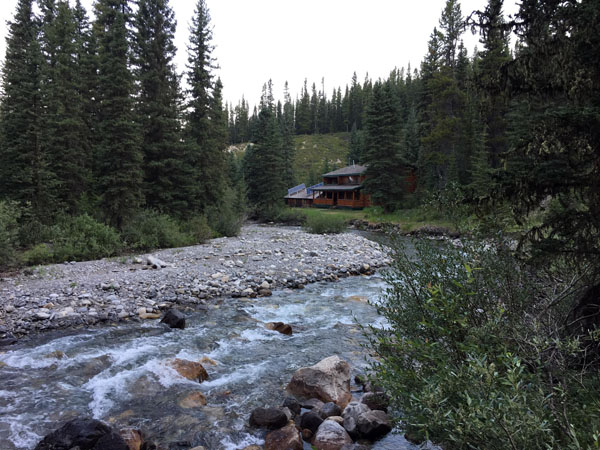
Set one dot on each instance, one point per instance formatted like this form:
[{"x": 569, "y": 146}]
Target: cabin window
[
  {"x": 341, "y": 196},
  {"x": 329, "y": 195},
  {"x": 357, "y": 195}
]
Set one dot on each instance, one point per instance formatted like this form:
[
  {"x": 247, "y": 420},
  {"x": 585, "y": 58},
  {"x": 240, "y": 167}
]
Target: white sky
[{"x": 258, "y": 40}]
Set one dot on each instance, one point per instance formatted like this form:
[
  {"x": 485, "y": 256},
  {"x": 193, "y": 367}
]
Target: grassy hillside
[{"x": 312, "y": 150}]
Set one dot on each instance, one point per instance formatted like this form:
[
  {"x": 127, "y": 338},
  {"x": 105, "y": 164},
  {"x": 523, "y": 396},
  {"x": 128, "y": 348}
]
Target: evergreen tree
[
  {"x": 355, "y": 155},
  {"x": 207, "y": 156},
  {"x": 287, "y": 138},
  {"x": 386, "y": 171},
  {"x": 120, "y": 171},
  {"x": 24, "y": 174},
  {"x": 303, "y": 112},
  {"x": 65, "y": 134},
  {"x": 495, "y": 55},
  {"x": 167, "y": 174},
  {"x": 263, "y": 162}
]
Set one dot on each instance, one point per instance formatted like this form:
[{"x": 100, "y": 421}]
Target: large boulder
[
  {"x": 174, "y": 319},
  {"x": 189, "y": 369},
  {"x": 328, "y": 380},
  {"x": 270, "y": 418},
  {"x": 331, "y": 436},
  {"x": 362, "y": 422},
  {"x": 287, "y": 438},
  {"x": 84, "y": 434},
  {"x": 133, "y": 438}
]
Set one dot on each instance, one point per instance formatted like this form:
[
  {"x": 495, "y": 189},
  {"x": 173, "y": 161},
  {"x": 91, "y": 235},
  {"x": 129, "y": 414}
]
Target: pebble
[{"x": 245, "y": 266}]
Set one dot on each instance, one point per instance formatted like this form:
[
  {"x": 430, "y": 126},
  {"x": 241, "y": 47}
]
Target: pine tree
[
  {"x": 207, "y": 158},
  {"x": 120, "y": 172},
  {"x": 287, "y": 138},
  {"x": 167, "y": 175},
  {"x": 303, "y": 117},
  {"x": 65, "y": 134},
  {"x": 263, "y": 162},
  {"x": 386, "y": 171},
  {"x": 24, "y": 172}
]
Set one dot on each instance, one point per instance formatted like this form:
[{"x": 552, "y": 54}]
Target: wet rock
[
  {"x": 329, "y": 409},
  {"x": 293, "y": 405},
  {"x": 193, "y": 400},
  {"x": 265, "y": 292},
  {"x": 207, "y": 360},
  {"x": 8, "y": 339},
  {"x": 287, "y": 438},
  {"x": 174, "y": 319},
  {"x": 280, "y": 327},
  {"x": 312, "y": 403},
  {"x": 376, "y": 400},
  {"x": 337, "y": 419},
  {"x": 355, "y": 447},
  {"x": 57, "y": 354},
  {"x": 328, "y": 380},
  {"x": 149, "y": 316},
  {"x": 311, "y": 421},
  {"x": 362, "y": 422},
  {"x": 307, "y": 435},
  {"x": 189, "y": 369},
  {"x": 331, "y": 436},
  {"x": 270, "y": 418},
  {"x": 84, "y": 434},
  {"x": 133, "y": 438}
]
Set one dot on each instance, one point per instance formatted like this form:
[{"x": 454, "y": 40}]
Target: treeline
[
  {"x": 447, "y": 120},
  {"x": 94, "y": 121}
]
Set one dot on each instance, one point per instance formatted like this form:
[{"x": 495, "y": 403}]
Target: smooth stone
[
  {"x": 287, "y": 438},
  {"x": 331, "y": 436},
  {"x": 271, "y": 418}
]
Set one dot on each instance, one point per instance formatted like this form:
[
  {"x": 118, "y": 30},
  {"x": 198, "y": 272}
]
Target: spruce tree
[
  {"x": 119, "y": 153},
  {"x": 263, "y": 163},
  {"x": 207, "y": 155},
  {"x": 303, "y": 112},
  {"x": 287, "y": 138},
  {"x": 65, "y": 132},
  {"x": 24, "y": 174},
  {"x": 386, "y": 171},
  {"x": 167, "y": 175}
]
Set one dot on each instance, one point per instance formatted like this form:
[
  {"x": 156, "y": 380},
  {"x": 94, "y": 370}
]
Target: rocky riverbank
[{"x": 261, "y": 259}]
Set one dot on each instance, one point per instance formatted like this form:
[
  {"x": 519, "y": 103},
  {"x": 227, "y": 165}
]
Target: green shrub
[
  {"x": 227, "y": 219},
  {"x": 40, "y": 254},
  {"x": 324, "y": 224},
  {"x": 198, "y": 228},
  {"x": 9, "y": 232},
  {"x": 151, "y": 230},
  {"x": 83, "y": 238},
  {"x": 291, "y": 216},
  {"x": 472, "y": 356}
]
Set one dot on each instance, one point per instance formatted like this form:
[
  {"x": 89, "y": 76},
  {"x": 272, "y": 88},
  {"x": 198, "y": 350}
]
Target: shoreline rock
[{"x": 116, "y": 290}]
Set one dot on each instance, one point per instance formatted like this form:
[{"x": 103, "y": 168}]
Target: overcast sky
[{"x": 258, "y": 40}]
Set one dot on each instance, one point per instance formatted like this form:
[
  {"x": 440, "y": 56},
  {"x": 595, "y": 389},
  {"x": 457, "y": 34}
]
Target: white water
[{"x": 121, "y": 374}]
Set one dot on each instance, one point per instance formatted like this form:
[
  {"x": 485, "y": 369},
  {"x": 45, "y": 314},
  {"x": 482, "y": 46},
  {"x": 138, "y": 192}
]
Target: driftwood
[{"x": 155, "y": 262}]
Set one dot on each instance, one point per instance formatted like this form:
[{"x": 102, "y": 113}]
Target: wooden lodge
[
  {"x": 342, "y": 189},
  {"x": 301, "y": 196}
]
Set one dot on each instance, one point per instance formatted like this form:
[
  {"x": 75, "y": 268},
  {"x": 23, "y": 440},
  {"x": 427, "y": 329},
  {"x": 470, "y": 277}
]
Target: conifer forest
[{"x": 106, "y": 148}]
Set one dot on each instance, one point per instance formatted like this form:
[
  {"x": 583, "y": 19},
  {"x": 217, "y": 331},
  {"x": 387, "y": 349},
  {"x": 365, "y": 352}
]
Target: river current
[{"x": 120, "y": 374}]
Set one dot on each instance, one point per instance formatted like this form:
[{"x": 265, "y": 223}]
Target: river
[{"x": 119, "y": 374}]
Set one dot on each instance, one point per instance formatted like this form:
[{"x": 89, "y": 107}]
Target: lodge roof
[
  {"x": 348, "y": 170},
  {"x": 339, "y": 187}
]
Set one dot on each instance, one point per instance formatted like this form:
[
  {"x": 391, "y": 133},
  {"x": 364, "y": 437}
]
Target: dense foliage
[
  {"x": 475, "y": 353},
  {"x": 94, "y": 125}
]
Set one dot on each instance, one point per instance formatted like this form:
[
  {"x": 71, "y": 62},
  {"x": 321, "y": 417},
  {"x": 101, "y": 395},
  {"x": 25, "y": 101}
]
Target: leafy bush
[
  {"x": 9, "y": 232},
  {"x": 227, "y": 219},
  {"x": 472, "y": 357},
  {"x": 291, "y": 216},
  {"x": 324, "y": 224},
  {"x": 83, "y": 238},
  {"x": 150, "y": 230},
  {"x": 40, "y": 254},
  {"x": 198, "y": 228}
]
